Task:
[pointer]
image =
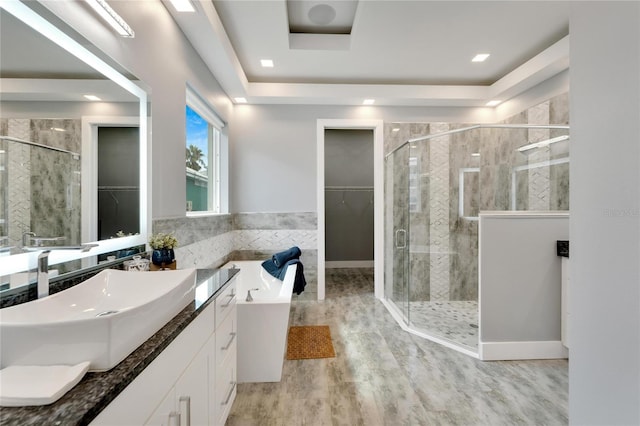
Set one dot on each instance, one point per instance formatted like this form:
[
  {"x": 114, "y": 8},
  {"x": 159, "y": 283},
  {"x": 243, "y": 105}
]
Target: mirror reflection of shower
[{"x": 39, "y": 182}]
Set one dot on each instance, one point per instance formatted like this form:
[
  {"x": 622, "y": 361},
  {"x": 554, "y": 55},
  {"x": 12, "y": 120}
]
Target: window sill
[{"x": 207, "y": 213}]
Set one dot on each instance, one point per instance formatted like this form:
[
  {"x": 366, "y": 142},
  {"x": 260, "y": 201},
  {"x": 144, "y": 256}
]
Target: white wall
[
  {"x": 160, "y": 56},
  {"x": 273, "y": 149},
  {"x": 604, "y": 370}
]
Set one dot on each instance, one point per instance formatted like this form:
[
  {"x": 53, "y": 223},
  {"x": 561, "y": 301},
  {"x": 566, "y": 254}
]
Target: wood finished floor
[{"x": 382, "y": 375}]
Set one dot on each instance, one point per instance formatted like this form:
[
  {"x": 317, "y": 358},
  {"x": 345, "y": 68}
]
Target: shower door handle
[{"x": 401, "y": 243}]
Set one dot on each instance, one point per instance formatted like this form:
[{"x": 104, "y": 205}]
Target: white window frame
[{"x": 214, "y": 157}]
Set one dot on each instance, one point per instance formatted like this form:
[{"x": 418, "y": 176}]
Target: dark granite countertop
[{"x": 95, "y": 391}]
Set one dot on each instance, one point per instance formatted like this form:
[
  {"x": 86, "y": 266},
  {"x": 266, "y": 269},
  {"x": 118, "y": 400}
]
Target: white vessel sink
[{"x": 101, "y": 320}]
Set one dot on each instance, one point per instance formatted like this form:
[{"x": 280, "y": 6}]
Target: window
[{"x": 202, "y": 156}]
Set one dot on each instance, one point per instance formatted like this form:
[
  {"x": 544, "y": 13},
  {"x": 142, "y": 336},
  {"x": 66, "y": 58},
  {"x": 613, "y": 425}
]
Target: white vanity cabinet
[
  {"x": 225, "y": 361},
  {"x": 187, "y": 403},
  {"x": 192, "y": 382}
]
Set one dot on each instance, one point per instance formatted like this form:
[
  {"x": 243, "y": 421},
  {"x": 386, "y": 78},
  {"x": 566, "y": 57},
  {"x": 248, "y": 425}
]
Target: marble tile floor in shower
[
  {"x": 456, "y": 321},
  {"x": 382, "y": 375}
]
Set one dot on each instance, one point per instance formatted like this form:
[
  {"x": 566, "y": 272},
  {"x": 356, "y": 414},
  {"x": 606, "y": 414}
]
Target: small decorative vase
[{"x": 162, "y": 257}]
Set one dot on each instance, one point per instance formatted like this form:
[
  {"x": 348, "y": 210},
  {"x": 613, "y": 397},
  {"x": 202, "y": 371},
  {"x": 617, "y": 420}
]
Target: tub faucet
[
  {"x": 249, "y": 297},
  {"x": 43, "y": 265}
]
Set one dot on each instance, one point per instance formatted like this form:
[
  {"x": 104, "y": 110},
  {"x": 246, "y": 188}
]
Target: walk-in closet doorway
[{"x": 350, "y": 197}]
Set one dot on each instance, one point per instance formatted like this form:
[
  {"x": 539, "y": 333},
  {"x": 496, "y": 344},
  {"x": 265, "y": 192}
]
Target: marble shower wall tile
[
  {"x": 559, "y": 109},
  {"x": 43, "y": 186},
  {"x": 488, "y": 188},
  {"x": 18, "y": 181},
  {"x": 439, "y": 207},
  {"x": 70, "y": 138},
  {"x": 463, "y": 262}
]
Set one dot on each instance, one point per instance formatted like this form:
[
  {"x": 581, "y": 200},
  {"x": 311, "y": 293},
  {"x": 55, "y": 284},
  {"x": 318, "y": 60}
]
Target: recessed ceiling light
[
  {"x": 480, "y": 57},
  {"x": 241, "y": 100},
  {"x": 493, "y": 103},
  {"x": 368, "y": 102},
  {"x": 182, "y": 5},
  {"x": 475, "y": 154},
  {"x": 57, "y": 129},
  {"x": 266, "y": 63},
  {"x": 395, "y": 129},
  {"x": 92, "y": 97}
]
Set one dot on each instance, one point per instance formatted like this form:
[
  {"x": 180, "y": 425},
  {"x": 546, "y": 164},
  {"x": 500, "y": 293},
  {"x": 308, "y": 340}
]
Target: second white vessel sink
[{"x": 101, "y": 320}]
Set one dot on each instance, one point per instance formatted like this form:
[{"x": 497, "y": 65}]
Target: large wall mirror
[{"x": 73, "y": 169}]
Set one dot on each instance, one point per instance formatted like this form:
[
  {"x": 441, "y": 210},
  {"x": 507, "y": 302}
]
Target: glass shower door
[{"x": 397, "y": 226}]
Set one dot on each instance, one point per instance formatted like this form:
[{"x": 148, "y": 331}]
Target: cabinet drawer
[
  {"x": 225, "y": 387},
  {"x": 225, "y": 303},
  {"x": 226, "y": 337}
]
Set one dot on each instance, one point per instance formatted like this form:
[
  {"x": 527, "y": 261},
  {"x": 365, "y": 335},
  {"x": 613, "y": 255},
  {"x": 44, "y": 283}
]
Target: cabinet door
[
  {"x": 165, "y": 414},
  {"x": 192, "y": 391}
]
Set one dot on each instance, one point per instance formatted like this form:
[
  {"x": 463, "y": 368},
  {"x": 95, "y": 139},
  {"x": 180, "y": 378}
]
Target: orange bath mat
[{"x": 309, "y": 341}]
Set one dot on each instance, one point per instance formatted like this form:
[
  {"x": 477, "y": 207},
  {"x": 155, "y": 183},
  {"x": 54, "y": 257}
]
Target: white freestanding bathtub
[{"x": 262, "y": 323}]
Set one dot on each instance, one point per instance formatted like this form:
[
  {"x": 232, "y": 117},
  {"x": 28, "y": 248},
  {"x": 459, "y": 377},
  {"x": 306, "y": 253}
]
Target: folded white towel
[{"x": 25, "y": 385}]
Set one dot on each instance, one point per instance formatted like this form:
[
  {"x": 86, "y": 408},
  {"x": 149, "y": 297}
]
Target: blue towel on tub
[
  {"x": 280, "y": 272},
  {"x": 280, "y": 259}
]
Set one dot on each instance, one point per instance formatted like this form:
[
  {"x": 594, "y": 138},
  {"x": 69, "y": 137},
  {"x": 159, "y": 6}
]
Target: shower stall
[{"x": 435, "y": 187}]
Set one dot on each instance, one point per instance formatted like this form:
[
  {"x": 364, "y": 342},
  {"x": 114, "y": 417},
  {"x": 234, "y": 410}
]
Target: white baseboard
[
  {"x": 330, "y": 264},
  {"x": 508, "y": 351}
]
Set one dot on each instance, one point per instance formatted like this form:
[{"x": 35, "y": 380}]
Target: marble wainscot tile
[
  {"x": 300, "y": 220},
  {"x": 275, "y": 221},
  {"x": 191, "y": 229},
  {"x": 207, "y": 253},
  {"x": 254, "y": 221},
  {"x": 261, "y": 239}
]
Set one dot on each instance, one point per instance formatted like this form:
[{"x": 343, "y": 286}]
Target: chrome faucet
[
  {"x": 43, "y": 264},
  {"x": 249, "y": 297}
]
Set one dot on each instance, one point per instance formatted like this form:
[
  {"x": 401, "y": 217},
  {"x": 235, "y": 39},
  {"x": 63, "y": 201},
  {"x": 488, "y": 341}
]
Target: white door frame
[{"x": 378, "y": 196}]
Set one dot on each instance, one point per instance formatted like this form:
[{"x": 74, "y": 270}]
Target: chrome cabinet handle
[
  {"x": 404, "y": 238},
  {"x": 174, "y": 419},
  {"x": 233, "y": 336},
  {"x": 226, "y": 401},
  {"x": 186, "y": 399},
  {"x": 232, "y": 296}
]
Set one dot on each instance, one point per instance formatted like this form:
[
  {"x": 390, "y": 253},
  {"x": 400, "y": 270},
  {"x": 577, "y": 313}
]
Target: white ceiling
[{"x": 398, "y": 52}]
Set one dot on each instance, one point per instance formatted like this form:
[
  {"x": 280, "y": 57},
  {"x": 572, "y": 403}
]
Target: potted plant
[{"x": 163, "y": 245}]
